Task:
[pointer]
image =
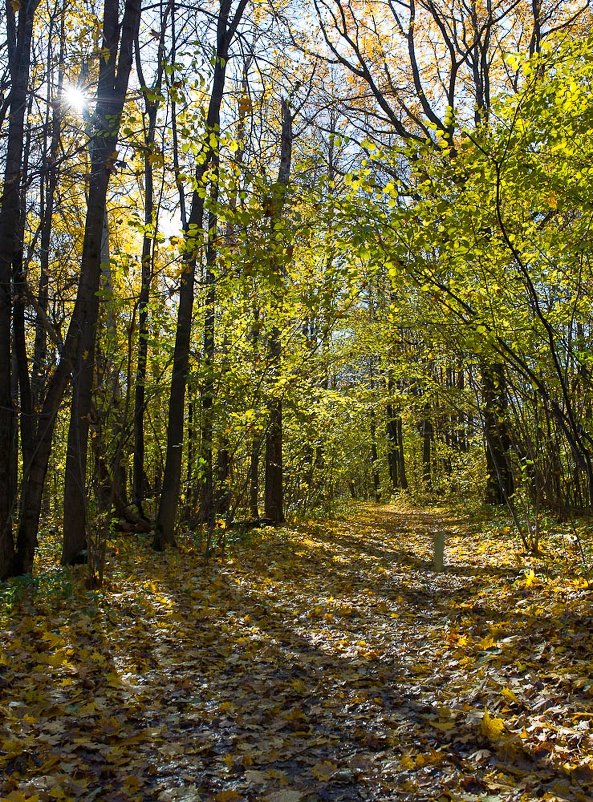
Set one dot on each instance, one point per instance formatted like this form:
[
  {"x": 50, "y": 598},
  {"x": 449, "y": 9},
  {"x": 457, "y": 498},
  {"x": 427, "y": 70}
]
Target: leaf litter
[{"x": 322, "y": 661}]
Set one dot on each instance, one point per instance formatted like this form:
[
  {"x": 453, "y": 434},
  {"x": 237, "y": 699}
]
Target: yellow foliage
[{"x": 492, "y": 728}]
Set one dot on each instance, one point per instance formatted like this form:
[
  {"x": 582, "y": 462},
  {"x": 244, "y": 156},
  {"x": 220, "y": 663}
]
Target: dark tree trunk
[
  {"x": 114, "y": 73},
  {"x": 108, "y": 411},
  {"x": 165, "y": 526},
  {"x": 207, "y": 512},
  {"x": 256, "y": 439},
  {"x": 223, "y": 478},
  {"x": 151, "y": 107},
  {"x": 427, "y": 431},
  {"x": 500, "y": 484},
  {"x": 23, "y": 396},
  {"x": 375, "y": 461},
  {"x": 20, "y": 33},
  {"x": 49, "y": 186},
  {"x": 138, "y": 484},
  {"x": 254, "y": 477},
  {"x": 274, "y": 487},
  {"x": 392, "y": 447},
  {"x": 191, "y": 496},
  {"x": 395, "y": 450}
]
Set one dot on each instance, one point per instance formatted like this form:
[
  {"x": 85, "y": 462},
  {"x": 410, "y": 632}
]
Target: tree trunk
[
  {"x": 20, "y": 34},
  {"x": 207, "y": 512},
  {"x": 395, "y": 449},
  {"x": 138, "y": 485},
  {"x": 274, "y": 488},
  {"x": 427, "y": 431},
  {"x": 254, "y": 477},
  {"x": 151, "y": 106},
  {"x": 112, "y": 88},
  {"x": 223, "y": 478},
  {"x": 375, "y": 461},
  {"x": 165, "y": 526},
  {"x": 500, "y": 484}
]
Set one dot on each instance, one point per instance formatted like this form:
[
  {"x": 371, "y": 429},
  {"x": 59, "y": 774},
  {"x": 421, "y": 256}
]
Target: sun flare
[{"x": 75, "y": 98}]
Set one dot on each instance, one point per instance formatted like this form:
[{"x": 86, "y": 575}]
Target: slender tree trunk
[
  {"x": 403, "y": 480},
  {"x": 256, "y": 438},
  {"x": 48, "y": 194},
  {"x": 222, "y": 492},
  {"x": 392, "y": 447},
  {"x": 223, "y": 478},
  {"x": 395, "y": 445},
  {"x": 165, "y": 526},
  {"x": 375, "y": 461},
  {"x": 274, "y": 488},
  {"x": 151, "y": 106},
  {"x": 395, "y": 449},
  {"x": 108, "y": 408},
  {"x": 113, "y": 82},
  {"x": 24, "y": 397},
  {"x": 254, "y": 477},
  {"x": 500, "y": 484},
  {"x": 427, "y": 431},
  {"x": 207, "y": 504},
  {"x": 138, "y": 486},
  {"x": 191, "y": 497},
  {"x": 19, "y": 23}
]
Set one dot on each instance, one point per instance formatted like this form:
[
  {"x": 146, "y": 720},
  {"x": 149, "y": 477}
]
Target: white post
[{"x": 438, "y": 554}]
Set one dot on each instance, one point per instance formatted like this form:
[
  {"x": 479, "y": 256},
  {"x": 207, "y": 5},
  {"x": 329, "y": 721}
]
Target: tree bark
[
  {"x": 207, "y": 502},
  {"x": 274, "y": 488},
  {"x": 165, "y": 526},
  {"x": 500, "y": 484},
  {"x": 114, "y": 74},
  {"x": 20, "y": 35},
  {"x": 427, "y": 431},
  {"x": 375, "y": 461},
  {"x": 151, "y": 106}
]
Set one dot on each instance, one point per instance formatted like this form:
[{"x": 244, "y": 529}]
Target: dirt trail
[{"x": 322, "y": 662}]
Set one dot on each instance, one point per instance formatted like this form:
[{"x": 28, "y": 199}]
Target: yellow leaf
[
  {"x": 245, "y": 104},
  {"x": 52, "y": 639},
  {"x": 487, "y": 642},
  {"x": 227, "y": 796},
  {"x": 510, "y": 695},
  {"x": 530, "y": 578},
  {"x": 492, "y": 728},
  {"x": 444, "y": 726},
  {"x": 323, "y": 770},
  {"x": 132, "y": 783}
]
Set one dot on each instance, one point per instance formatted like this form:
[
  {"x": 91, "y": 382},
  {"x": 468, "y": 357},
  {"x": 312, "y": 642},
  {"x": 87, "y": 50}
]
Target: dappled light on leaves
[{"x": 326, "y": 661}]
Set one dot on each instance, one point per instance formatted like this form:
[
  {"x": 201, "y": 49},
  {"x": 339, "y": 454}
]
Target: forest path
[{"x": 325, "y": 661}]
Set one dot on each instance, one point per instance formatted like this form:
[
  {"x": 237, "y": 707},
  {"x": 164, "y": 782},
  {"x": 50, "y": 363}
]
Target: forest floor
[{"x": 322, "y": 661}]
